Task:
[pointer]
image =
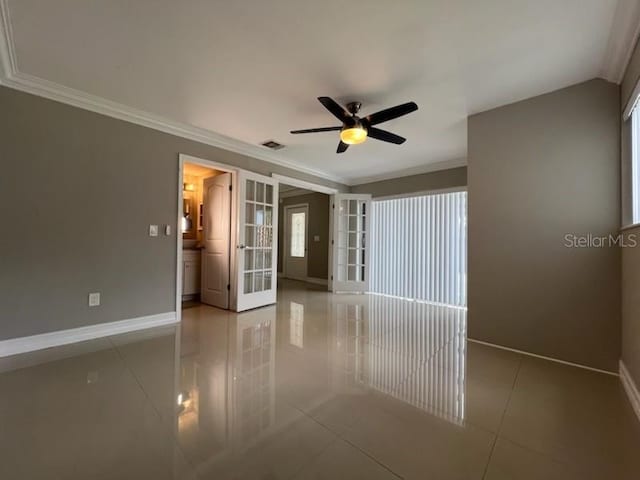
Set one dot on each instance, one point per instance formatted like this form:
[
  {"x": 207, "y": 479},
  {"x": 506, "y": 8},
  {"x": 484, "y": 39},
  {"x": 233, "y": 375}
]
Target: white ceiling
[{"x": 251, "y": 70}]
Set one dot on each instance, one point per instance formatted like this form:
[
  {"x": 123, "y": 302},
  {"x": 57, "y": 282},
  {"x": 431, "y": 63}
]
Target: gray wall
[
  {"x": 318, "y": 254},
  {"x": 630, "y": 256},
  {"x": 438, "y": 180},
  {"x": 77, "y": 194},
  {"x": 631, "y": 305},
  {"x": 539, "y": 169}
]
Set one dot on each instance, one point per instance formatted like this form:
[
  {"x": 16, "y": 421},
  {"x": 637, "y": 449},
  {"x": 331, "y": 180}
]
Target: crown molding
[
  {"x": 622, "y": 40},
  {"x": 11, "y": 77},
  {"x": 428, "y": 168}
]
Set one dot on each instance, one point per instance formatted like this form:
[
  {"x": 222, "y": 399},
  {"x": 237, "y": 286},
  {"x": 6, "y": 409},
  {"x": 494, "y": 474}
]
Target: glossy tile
[
  {"x": 574, "y": 416},
  {"x": 317, "y": 386}
]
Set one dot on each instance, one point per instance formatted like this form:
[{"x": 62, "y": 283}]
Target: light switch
[
  {"x": 94, "y": 299},
  {"x": 167, "y": 230},
  {"x": 316, "y": 238},
  {"x": 153, "y": 230}
]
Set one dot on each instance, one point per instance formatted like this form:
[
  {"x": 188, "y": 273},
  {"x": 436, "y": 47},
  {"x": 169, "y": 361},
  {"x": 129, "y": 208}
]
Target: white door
[
  {"x": 257, "y": 244},
  {"x": 216, "y": 234},
  {"x": 350, "y": 242},
  {"x": 295, "y": 241}
]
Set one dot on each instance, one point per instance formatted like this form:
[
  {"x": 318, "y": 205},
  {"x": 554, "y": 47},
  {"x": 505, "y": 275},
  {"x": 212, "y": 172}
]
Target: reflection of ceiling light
[
  {"x": 189, "y": 187},
  {"x": 353, "y": 135}
]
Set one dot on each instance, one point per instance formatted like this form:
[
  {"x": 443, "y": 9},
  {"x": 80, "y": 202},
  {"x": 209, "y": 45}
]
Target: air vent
[{"x": 272, "y": 144}]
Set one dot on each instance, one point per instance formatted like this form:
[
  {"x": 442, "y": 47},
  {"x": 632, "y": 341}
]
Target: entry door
[
  {"x": 257, "y": 243},
  {"x": 296, "y": 241},
  {"x": 350, "y": 242},
  {"x": 216, "y": 234}
]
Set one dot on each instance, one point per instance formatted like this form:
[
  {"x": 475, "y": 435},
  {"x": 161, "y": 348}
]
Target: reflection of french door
[
  {"x": 257, "y": 243},
  {"x": 350, "y": 242}
]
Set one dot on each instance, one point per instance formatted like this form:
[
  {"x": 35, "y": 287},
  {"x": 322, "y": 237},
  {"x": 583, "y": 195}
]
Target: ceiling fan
[{"x": 354, "y": 129}]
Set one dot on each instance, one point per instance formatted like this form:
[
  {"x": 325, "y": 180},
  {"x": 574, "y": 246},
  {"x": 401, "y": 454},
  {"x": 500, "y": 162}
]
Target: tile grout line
[
  {"x": 174, "y": 440},
  {"x": 349, "y": 442},
  {"x": 504, "y": 412}
]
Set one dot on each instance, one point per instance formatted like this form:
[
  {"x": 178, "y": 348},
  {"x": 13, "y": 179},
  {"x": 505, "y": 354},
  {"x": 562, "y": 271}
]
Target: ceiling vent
[{"x": 273, "y": 145}]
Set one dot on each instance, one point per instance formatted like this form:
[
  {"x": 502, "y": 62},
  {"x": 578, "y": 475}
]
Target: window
[
  {"x": 298, "y": 227},
  {"x": 419, "y": 248},
  {"x": 635, "y": 165}
]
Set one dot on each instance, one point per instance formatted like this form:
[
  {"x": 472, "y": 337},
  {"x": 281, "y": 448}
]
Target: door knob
[{"x": 241, "y": 246}]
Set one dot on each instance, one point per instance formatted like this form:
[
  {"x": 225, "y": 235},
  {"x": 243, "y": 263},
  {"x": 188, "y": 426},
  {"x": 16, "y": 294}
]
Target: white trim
[
  {"x": 53, "y": 91},
  {"x": 622, "y": 40},
  {"x": 631, "y": 388},
  {"x": 295, "y": 182},
  {"x": 542, "y": 357},
  {"x": 15, "y": 346},
  {"x": 11, "y": 77},
  {"x": 408, "y": 172}
]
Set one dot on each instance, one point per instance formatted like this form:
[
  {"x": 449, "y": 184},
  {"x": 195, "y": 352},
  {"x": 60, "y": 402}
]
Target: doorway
[
  {"x": 296, "y": 237},
  {"x": 304, "y": 234},
  {"x": 226, "y": 243},
  {"x": 205, "y": 226}
]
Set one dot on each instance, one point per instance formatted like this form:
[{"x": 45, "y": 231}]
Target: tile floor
[{"x": 317, "y": 387}]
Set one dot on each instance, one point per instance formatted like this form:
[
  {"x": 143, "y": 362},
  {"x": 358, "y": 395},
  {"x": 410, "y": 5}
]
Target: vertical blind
[{"x": 419, "y": 248}]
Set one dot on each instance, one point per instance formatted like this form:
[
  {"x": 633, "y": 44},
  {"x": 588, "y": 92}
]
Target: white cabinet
[{"x": 190, "y": 272}]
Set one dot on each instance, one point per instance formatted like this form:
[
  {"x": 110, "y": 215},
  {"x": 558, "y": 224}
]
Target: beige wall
[
  {"x": 630, "y": 256},
  {"x": 318, "y": 254},
  {"x": 78, "y": 191},
  {"x": 438, "y": 180},
  {"x": 539, "y": 169}
]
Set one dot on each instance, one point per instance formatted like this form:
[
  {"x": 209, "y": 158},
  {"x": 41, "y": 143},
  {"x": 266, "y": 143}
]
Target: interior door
[
  {"x": 350, "y": 242},
  {"x": 257, "y": 240},
  {"x": 216, "y": 235},
  {"x": 296, "y": 241}
]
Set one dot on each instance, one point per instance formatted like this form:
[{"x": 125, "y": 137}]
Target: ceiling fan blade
[
  {"x": 385, "y": 136},
  {"x": 342, "y": 147},
  {"x": 314, "y": 130},
  {"x": 335, "y": 108},
  {"x": 391, "y": 113}
]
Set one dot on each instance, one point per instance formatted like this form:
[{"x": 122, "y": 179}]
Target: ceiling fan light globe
[{"x": 353, "y": 135}]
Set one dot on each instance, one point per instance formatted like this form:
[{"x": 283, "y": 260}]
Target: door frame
[
  {"x": 223, "y": 167},
  {"x": 286, "y": 239},
  {"x": 314, "y": 187}
]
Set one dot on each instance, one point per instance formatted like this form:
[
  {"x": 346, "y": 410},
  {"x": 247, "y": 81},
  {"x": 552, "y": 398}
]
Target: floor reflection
[
  {"x": 318, "y": 386},
  {"x": 414, "y": 352}
]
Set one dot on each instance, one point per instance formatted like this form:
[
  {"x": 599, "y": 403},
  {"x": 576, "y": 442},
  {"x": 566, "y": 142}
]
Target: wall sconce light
[{"x": 188, "y": 187}]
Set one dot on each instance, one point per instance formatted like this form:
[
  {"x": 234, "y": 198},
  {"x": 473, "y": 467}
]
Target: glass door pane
[
  {"x": 258, "y": 219},
  {"x": 350, "y": 236}
]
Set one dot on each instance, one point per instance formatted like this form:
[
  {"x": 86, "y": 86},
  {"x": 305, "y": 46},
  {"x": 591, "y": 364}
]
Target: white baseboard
[
  {"x": 551, "y": 359},
  {"x": 15, "y": 346},
  {"x": 631, "y": 388}
]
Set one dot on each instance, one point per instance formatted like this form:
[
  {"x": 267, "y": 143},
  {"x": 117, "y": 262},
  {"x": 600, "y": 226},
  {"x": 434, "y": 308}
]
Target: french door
[
  {"x": 257, "y": 240},
  {"x": 350, "y": 242}
]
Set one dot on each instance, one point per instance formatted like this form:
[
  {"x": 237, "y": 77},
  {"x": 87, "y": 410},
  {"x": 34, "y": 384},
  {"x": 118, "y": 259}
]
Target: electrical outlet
[
  {"x": 94, "y": 299},
  {"x": 153, "y": 230},
  {"x": 167, "y": 230}
]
